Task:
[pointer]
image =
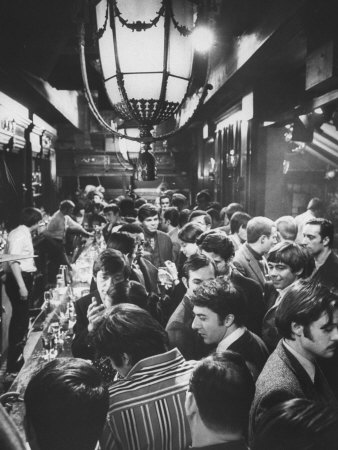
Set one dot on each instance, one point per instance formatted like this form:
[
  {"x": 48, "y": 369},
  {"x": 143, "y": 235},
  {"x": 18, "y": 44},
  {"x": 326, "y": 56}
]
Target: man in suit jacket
[
  {"x": 158, "y": 247},
  {"x": 307, "y": 320},
  {"x": 249, "y": 259},
  {"x": 218, "y": 246},
  {"x": 219, "y": 310}
]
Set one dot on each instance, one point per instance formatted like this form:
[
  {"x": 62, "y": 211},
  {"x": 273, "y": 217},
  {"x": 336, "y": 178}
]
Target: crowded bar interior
[{"x": 168, "y": 224}]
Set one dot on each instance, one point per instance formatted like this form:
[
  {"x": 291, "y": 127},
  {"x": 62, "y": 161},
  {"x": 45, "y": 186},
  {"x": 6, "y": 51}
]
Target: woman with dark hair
[
  {"x": 19, "y": 283},
  {"x": 188, "y": 236}
]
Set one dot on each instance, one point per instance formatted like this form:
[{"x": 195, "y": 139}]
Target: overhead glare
[{"x": 202, "y": 39}]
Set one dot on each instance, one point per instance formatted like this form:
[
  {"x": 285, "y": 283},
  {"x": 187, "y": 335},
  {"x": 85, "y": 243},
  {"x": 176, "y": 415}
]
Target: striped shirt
[{"x": 146, "y": 410}]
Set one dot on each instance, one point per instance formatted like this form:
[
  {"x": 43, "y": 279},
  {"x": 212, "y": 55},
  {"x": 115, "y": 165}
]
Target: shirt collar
[
  {"x": 307, "y": 365},
  {"x": 147, "y": 364},
  {"x": 228, "y": 340}
]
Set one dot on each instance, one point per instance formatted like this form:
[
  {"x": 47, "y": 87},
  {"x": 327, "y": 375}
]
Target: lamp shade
[{"x": 146, "y": 56}]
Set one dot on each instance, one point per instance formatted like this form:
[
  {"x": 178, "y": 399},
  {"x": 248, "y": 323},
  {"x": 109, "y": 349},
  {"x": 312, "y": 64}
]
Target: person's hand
[
  {"x": 23, "y": 292},
  {"x": 94, "y": 314},
  {"x": 171, "y": 268}
]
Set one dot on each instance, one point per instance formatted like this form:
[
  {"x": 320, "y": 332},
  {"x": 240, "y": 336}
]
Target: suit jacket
[
  {"x": 253, "y": 351},
  {"x": 327, "y": 274},
  {"x": 165, "y": 248},
  {"x": 248, "y": 265},
  {"x": 283, "y": 378},
  {"x": 255, "y": 306},
  {"x": 80, "y": 346}
]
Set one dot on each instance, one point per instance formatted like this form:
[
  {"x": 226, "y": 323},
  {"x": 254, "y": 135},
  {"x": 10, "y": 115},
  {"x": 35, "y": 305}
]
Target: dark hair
[
  {"x": 215, "y": 205},
  {"x": 190, "y": 232},
  {"x": 132, "y": 228},
  {"x": 199, "y": 212},
  {"x": 287, "y": 227},
  {"x": 139, "y": 202},
  {"x": 183, "y": 217},
  {"x": 223, "y": 298},
  {"x": 30, "y": 216},
  {"x": 315, "y": 204},
  {"x": 303, "y": 303},
  {"x": 171, "y": 214},
  {"x": 66, "y": 403},
  {"x": 196, "y": 262},
  {"x": 218, "y": 243},
  {"x": 232, "y": 208},
  {"x": 239, "y": 219},
  {"x": 293, "y": 255},
  {"x": 258, "y": 226},
  {"x": 179, "y": 200},
  {"x": 147, "y": 210},
  {"x": 127, "y": 208},
  {"x": 223, "y": 388},
  {"x": 66, "y": 206},
  {"x": 297, "y": 424},
  {"x": 112, "y": 262},
  {"x": 165, "y": 196},
  {"x": 127, "y": 328},
  {"x": 203, "y": 196},
  {"x": 123, "y": 242},
  {"x": 215, "y": 216},
  {"x": 112, "y": 207},
  {"x": 326, "y": 228}
]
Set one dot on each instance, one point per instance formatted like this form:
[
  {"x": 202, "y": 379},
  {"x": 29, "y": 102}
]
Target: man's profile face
[
  {"x": 103, "y": 281},
  {"x": 221, "y": 265},
  {"x": 320, "y": 339},
  {"x": 150, "y": 224},
  {"x": 271, "y": 240},
  {"x": 164, "y": 203},
  {"x": 242, "y": 233},
  {"x": 281, "y": 275},
  {"x": 208, "y": 326},
  {"x": 197, "y": 277},
  {"x": 312, "y": 239}
]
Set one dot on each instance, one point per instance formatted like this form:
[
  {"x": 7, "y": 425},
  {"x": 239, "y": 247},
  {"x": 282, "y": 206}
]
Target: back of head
[
  {"x": 232, "y": 208},
  {"x": 139, "y": 202},
  {"x": 196, "y": 262},
  {"x": 223, "y": 298},
  {"x": 179, "y": 201},
  {"x": 127, "y": 207},
  {"x": 66, "y": 405},
  {"x": 287, "y": 228},
  {"x": 293, "y": 255},
  {"x": 297, "y": 424},
  {"x": 190, "y": 232},
  {"x": 171, "y": 214},
  {"x": 30, "y": 216},
  {"x": 316, "y": 206},
  {"x": 303, "y": 303},
  {"x": 218, "y": 243},
  {"x": 223, "y": 389},
  {"x": 258, "y": 226},
  {"x": 112, "y": 262},
  {"x": 215, "y": 216},
  {"x": 66, "y": 206},
  {"x": 198, "y": 213},
  {"x": 203, "y": 197},
  {"x": 132, "y": 228},
  {"x": 147, "y": 210},
  {"x": 183, "y": 217},
  {"x": 239, "y": 219},
  {"x": 123, "y": 242},
  {"x": 129, "y": 329}
]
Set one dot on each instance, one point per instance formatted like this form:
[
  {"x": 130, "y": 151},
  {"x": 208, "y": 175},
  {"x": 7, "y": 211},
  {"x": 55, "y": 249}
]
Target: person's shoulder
[
  {"x": 163, "y": 235},
  {"x": 238, "y": 277}
]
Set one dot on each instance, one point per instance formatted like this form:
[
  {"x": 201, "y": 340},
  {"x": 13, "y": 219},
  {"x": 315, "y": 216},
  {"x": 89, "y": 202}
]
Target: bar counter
[{"x": 35, "y": 358}]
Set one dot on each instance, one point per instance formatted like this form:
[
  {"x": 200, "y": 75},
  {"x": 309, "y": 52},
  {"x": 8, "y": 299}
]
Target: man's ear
[
  {"x": 229, "y": 320},
  {"x": 326, "y": 241},
  {"x": 297, "y": 329},
  {"x": 185, "y": 282}
]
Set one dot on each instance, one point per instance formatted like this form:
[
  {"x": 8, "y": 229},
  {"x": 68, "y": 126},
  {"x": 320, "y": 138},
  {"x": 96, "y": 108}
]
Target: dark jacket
[
  {"x": 248, "y": 265},
  {"x": 253, "y": 351}
]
